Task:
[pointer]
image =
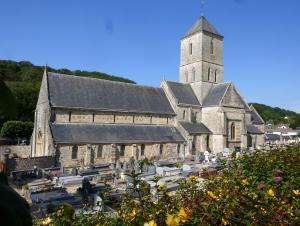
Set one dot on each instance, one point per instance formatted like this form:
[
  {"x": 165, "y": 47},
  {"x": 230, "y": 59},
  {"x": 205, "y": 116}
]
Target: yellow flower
[
  {"x": 296, "y": 192},
  {"x": 162, "y": 186},
  {"x": 245, "y": 182},
  {"x": 172, "y": 221},
  {"x": 212, "y": 195},
  {"x": 193, "y": 178},
  {"x": 225, "y": 222},
  {"x": 133, "y": 213},
  {"x": 169, "y": 194},
  {"x": 271, "y": 193},
  {"x": 150, "y": 223},
  {"x": 183, "y": 215},
  {"x": 47, "y": 221},
  {"x": 155, "y": 202}
]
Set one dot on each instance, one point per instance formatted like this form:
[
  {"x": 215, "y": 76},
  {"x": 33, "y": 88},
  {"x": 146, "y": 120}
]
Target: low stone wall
[
  {"x": 21, "y": 151},
  {"x": 17, "y": 164}
]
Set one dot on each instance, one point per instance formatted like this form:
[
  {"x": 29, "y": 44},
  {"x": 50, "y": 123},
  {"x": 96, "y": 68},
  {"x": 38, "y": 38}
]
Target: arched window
[
  {"x": 178, "y": 149},
  {"x": 193, "y": 74},
  {"x": 208, "y": 76},
  {"x": 232, "y": 131},
  {"x": 212, "y": 46},
  {"x": 191, "y": 49},
  {"x": 122, "y": 150},
  {"x": 74, "y": 152},
  {"x": 161, "y": 148},
  {"x": 142, "y": 149},
  {"x": 99, "y": 151},
  {"x": 183, "y": 114},
  {"x": 216, "y": 75}
]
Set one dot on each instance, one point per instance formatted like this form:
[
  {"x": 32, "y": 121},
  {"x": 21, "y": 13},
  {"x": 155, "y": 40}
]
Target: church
[{"x": 86, "y": 121}]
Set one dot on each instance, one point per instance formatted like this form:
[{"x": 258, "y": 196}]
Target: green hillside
[
  {"x": 24, "y": 79},
  {"x": 277, "y": 115}
]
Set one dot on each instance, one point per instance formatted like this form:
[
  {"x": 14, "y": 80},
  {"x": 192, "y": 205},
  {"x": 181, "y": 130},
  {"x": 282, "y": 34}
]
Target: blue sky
[{"x": 139, "y": 39}]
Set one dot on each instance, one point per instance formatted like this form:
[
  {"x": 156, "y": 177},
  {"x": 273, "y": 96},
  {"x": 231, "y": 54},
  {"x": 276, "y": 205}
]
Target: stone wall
[
  {"x": 87, "y": 154},
  {"x": 21, "y": 151},
  {"x": 18, "y": 164}
]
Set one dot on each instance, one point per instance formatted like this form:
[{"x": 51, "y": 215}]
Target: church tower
[{"x": 201, "y": 58}]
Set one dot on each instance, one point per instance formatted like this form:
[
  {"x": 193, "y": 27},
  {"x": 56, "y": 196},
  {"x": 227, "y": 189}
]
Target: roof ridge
[{"x": 104, "y": 80}]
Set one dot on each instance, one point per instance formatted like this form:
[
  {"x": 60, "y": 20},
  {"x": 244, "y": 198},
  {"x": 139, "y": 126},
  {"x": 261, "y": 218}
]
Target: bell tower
[{"x": 201, "y": 58}]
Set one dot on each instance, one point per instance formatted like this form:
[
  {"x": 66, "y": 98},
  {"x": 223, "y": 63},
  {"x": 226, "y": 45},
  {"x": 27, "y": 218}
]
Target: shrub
[
  {"x": 257, "y": 189},
  {"x": 17, "y": 129}
]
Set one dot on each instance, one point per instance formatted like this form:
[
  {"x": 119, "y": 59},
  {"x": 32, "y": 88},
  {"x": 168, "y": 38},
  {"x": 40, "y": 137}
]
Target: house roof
[
  {"x": 202, "y": 24},
  {"x": 270, "y": 136},
  {"x": 216, "y": 94},
  {"x": 77, "y": 133},
  {"x": 68, "y": 91},
  {"x": 251, "y": 129},
  {"x": 255, "y": 117},
  {"x": 195, "y": 128},
  {"x": 183, "y": 93}
]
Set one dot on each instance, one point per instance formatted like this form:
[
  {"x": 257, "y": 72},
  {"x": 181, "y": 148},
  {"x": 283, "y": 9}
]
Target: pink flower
[{"x": 278, "y": 179}]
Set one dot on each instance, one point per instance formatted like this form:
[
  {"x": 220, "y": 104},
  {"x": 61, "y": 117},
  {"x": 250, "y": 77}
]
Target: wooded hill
[
  {"x": 275, "y": 115},
  {"x": 24, "y": 81}
]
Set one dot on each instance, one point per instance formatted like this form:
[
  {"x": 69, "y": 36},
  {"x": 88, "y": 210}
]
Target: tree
[
  {"x": 7, "y": 102},
  {"x": 17, "y": 129}
]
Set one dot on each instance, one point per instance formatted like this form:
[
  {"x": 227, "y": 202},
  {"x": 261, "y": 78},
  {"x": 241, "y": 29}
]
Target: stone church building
[{"x": 87, "y": 121}]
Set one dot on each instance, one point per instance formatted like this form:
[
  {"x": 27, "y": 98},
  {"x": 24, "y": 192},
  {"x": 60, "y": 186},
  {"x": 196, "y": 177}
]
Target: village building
[{"x": 87, "y": 121}]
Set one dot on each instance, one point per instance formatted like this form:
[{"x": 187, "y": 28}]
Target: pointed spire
[{"x": 202, "y": 24}]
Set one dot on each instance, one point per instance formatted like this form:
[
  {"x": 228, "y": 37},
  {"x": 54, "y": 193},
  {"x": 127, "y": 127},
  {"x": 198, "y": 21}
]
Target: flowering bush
[{"x": 257, "y": 189}]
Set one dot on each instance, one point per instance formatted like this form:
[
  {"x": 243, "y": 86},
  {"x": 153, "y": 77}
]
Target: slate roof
[
  {"x": 195, "y": 128},
  {"x": 216, "y": 94},
  {"x": 183, "y": 93},
  {"x": 270, "y": 136},
  {"x": 77, "y": 133},
  {"x": 251, "y": 129},
  {"x": 70, "y": 91},
  {"x": 255, "y": 117},
  {"x": 202, "y": 25}
]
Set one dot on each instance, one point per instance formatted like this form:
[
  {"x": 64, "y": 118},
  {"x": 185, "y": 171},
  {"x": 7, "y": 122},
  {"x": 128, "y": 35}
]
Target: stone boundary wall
[
  {"x": 18, "y": 164},
  {"x": 21, "y": 151}
]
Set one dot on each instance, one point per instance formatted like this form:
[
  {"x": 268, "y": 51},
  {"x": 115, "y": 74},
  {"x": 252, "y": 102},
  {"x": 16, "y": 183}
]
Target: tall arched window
[
  {"x": 216, "y": 75},
  {"x": 212, "y": 46},
  {"x": 191, "y": 49},
  {"x": 74, "y": 152},
  {"x": 208, "y": 76},
  {"x": 142, "y": 149},
  {"x": 99, "y": 151},
  {"x": 193, "y": 74},
  {"x": 183, "y": 114},
  {"x": 232, "y": 131}
]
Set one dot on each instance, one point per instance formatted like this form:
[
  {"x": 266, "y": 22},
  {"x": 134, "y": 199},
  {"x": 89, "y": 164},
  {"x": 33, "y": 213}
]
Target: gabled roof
[
  {"x": 216, "y": 94},
  {"x": 68, "y": 91},
  {"x": 255, "y": 117},
  {"x": 77, "y": 133},
  {"x": 183, "y": 93},
  {"x": 251, "y": 129},
  {"x": 202, "y": 25},
  {"x": 195, "y": 128}
]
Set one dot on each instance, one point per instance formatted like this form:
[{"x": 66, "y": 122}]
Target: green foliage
[
  {"x": 7, "y": 102},
  {"x": 257, "y": 189},
  {"x": 277, "y": 115},
  {"x": 17, "y": 129},
  {"x": 26, "y": 71}
]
